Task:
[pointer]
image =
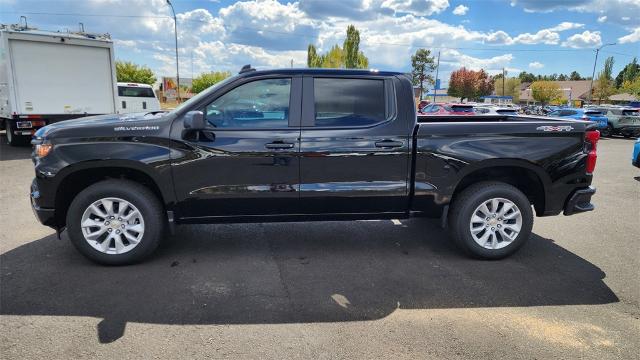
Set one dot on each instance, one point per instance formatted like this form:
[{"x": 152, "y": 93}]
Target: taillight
[{"x": 591, "y": 138}]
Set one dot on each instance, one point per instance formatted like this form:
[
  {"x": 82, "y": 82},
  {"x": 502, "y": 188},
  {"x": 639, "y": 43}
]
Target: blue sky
[{"x": 539, "y": 36}]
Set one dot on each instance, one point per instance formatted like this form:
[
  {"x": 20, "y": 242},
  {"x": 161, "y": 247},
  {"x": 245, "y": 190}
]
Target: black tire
[
  {"x": 140, "y": 197},
  {"x": 607, "y": 132},
  {"x": 465, "y": 203},
  {"x": 13, "y": 139}
]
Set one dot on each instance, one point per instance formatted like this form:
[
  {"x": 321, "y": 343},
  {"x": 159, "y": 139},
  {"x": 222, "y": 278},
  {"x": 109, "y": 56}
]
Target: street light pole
[
  {"x": 435, "y": 87},
  {"x": 593, "y": 74},
  {"x": 175, "y": 31}
]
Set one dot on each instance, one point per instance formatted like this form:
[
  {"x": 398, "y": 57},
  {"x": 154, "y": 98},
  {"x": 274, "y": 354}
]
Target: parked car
[
  {"x": 621, "y": 120},
  {"x": 592, "y": 115},
  {"x": 134, "y": 97},
  {"x": 635, "y": 158},
  {"x": 495, "y": 110},
  {"x": 448, "y": 109},
  {"x": 351, "y": 148}
]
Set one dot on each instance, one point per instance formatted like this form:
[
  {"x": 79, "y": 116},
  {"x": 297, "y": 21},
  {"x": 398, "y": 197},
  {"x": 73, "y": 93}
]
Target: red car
[{"x": 448, "y": 109}]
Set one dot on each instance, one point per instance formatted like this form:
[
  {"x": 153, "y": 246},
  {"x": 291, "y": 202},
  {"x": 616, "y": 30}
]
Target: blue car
[
  {"x": 635, "y": 159},
  {"x": 582, "y": 114}
]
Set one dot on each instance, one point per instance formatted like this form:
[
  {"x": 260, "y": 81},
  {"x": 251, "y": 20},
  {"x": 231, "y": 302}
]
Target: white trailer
[{"x": 52, "y": 76}]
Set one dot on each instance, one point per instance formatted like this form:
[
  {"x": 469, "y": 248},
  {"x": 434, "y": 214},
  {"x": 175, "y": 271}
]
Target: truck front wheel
[
  {"x": 115, "y": 222},
  {"x": 490, "y": 220},
  {"x": 13, "y": 139}
]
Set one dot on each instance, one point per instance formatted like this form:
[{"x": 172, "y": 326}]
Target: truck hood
[{"x": 144, "y": 123}]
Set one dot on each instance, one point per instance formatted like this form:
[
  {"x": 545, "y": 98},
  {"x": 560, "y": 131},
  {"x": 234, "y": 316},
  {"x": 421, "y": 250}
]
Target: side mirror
[{"x": 194, "y": 120}]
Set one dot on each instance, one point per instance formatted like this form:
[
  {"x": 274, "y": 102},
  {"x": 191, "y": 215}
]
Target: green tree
[
  {"x": 469, "y": 84},
  {"x": 363, "y": 61},
  {"x": 349, "y": 57},
  {"x": 545, "y": 91},
  {"x": 313, "y": 59},
  {"x": 632, "y": 86},
  {"x": 511, "y": 87},
  {"x": 205, "y": 80},
  {"x": 605, "y": 85},
  {"x": 630, "y": 72},
  {"x": 334, "y": 59},
  {"x": 422, "y": 65},
  {"x": 351, "y": 48},
  {"x": 526, "y": 77},
  {"x": 127, "y": 71},
  {"x": 575, "y": 76}
]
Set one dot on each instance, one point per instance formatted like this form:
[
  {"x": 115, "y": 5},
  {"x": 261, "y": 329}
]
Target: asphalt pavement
[{"x": 329, "y": 290}]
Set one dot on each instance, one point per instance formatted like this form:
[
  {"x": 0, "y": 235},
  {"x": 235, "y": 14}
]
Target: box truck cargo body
[{"x": 52, "y": 76}]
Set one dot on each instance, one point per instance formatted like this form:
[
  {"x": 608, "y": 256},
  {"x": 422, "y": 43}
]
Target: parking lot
[{"x": 363, "y": 289}]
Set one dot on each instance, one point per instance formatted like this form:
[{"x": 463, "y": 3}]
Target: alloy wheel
[
  {"x": 495, "y": 223},
  {"x": 112, "y": 225}
]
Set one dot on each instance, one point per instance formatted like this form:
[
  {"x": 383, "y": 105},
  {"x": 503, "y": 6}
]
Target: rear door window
[
  {"x": 131, "y": 91},
  {"x": 462, "y": 109},
  {"x": 349, "y": 102}
]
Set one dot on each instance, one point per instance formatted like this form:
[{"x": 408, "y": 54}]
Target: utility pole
[
  {"x": 503, "y": 76},
  {"x": 175, "y": 31},
  {"x": 593, "y": 74},
  {"x": 435, "y": 87},
  {"x": 292, "y": 63}
]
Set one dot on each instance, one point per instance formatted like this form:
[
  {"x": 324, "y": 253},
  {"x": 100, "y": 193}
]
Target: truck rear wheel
[
  {"x": 115, "y": 222},
  {"x": 13, "y": 139},
  {"x": 491, "y": 220}
]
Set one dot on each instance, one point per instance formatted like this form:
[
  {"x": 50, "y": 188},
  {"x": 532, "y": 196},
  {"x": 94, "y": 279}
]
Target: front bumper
[
  {"x": 44, "y": 215},
  {"x": 580, "y": 201}
]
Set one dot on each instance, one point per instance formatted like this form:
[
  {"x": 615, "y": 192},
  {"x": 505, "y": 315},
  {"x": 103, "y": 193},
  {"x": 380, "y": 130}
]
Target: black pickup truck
[{"x": 306, "y": 145}]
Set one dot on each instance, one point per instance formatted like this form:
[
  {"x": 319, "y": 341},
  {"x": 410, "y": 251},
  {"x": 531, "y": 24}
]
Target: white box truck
[{"x": 52, "y": 76}]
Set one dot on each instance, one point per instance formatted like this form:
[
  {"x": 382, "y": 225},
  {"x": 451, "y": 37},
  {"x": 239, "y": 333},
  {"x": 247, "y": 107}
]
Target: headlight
[{"x": 43, "y": 150}]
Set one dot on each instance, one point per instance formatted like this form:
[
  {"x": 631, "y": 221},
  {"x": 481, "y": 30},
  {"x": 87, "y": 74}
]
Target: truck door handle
[
  {"x": 389, "y": 144},
  {"x": 279, "y": 145}
]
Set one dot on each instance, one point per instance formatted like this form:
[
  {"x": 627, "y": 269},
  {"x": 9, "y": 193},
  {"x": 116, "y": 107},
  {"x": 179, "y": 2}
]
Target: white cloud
[
  {"x": 615, "y": 10},
  {"x": 460, "y": 10},
  {"x": 544, "y": 36},
  {"x": 454, "y": 59},
  {"x": 267, "y": 23},
  {"x": 602, "y": 19},
  {"x": 536, "y": 65},
  {"x": 588, "y": 39},
  {"x": 549, "y": 36},
  {"x": 563, "y": 26},
  {"x": 631, "y": 38},
  {"x": 416, "y": 7}
]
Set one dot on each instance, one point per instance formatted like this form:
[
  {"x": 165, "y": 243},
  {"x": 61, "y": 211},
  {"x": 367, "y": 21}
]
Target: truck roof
[
  {"x": 15, "y": 29},
  {"x": 307, "y": 71}
]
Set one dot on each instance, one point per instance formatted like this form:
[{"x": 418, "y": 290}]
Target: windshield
[{"x": 203, "y": 94}]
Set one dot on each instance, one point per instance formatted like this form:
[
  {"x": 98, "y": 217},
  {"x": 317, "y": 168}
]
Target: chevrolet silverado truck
[{"x": 307, "y": 145}]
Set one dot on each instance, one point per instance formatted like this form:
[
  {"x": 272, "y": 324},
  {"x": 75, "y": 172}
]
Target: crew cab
[{"x": 307, "y": 145}]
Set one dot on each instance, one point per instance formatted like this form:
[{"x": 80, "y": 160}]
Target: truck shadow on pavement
[
  {"x": 8, "y": 152},
  {"x": 290, "y": 273}
]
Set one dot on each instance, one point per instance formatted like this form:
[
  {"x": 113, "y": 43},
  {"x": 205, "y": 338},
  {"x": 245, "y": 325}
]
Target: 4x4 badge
[{"x": 554, "y": 128}]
